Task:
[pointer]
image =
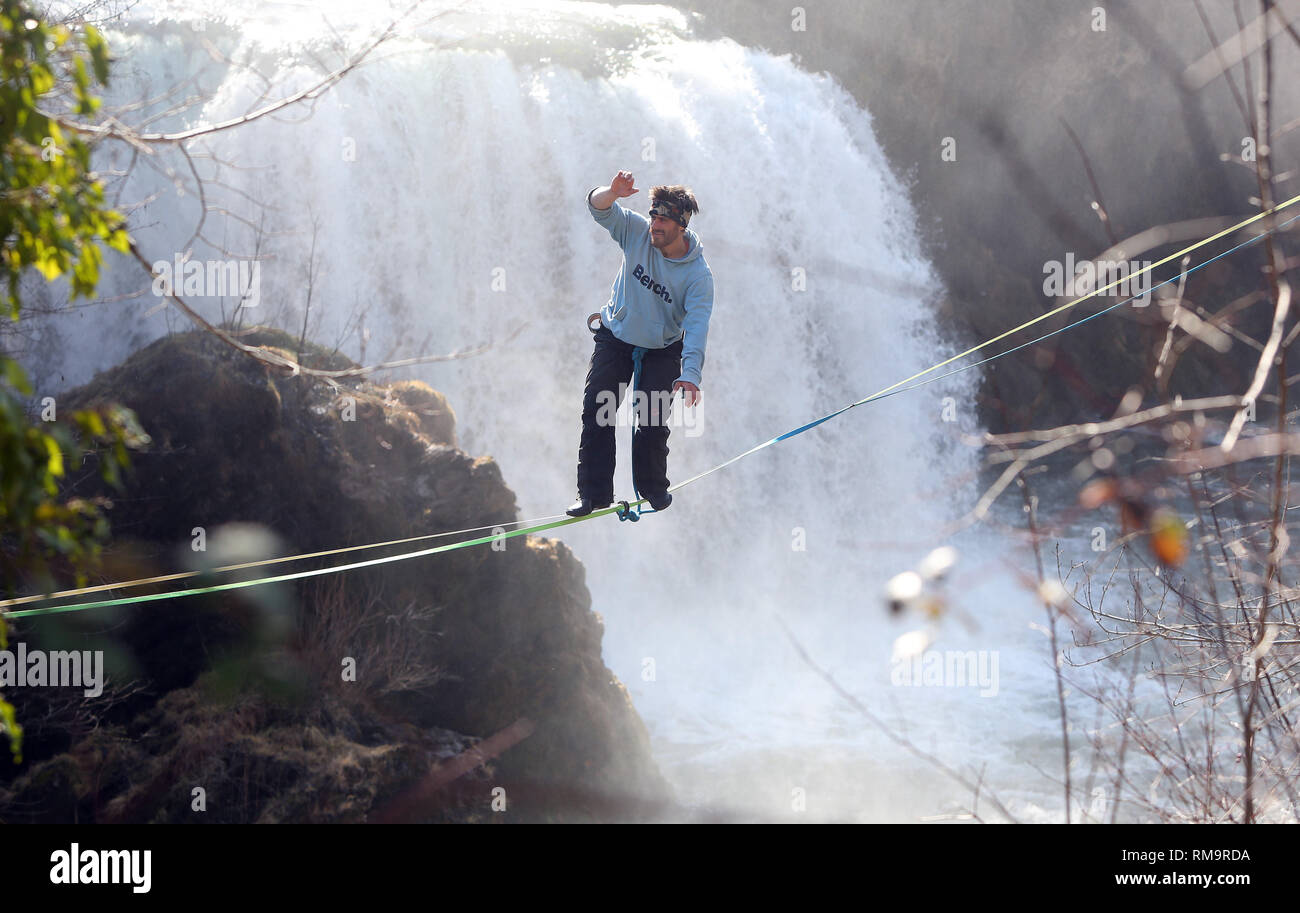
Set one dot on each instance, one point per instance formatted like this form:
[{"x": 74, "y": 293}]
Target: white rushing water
[{"x": 446, "y": 178}]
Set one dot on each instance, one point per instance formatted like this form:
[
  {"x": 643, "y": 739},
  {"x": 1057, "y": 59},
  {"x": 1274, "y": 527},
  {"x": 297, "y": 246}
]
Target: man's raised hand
[{"x": 623, "y": 184}]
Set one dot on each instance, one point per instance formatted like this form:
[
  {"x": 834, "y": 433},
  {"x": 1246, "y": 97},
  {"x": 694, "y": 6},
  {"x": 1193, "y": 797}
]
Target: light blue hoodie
[{"x": 656, "y": 301}]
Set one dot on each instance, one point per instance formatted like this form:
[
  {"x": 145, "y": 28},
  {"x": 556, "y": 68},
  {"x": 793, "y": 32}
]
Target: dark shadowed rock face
[{"x": 246, "y": 693}]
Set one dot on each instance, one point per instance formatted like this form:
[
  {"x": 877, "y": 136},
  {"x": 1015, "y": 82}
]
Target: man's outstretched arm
[{"x": 622, "y": 224}]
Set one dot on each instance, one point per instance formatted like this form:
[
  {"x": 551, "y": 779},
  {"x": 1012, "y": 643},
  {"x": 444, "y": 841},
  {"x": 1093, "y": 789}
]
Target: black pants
[{"x": 609, "y": 374}]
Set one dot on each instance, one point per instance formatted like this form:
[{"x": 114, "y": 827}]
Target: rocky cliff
[{"x": 477, "y": 691}]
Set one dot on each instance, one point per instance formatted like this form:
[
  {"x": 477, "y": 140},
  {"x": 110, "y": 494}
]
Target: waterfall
[{"x": 445, "y": 179}]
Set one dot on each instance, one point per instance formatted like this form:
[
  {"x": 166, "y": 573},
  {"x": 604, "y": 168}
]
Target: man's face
[{"x": 664, "y": 231}]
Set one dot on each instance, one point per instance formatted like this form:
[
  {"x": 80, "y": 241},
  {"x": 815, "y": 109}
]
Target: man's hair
[{"x": 677, "y": 196}]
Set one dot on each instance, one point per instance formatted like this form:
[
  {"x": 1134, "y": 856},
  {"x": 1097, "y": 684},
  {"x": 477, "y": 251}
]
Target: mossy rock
[{"x": 436, "y": 419}]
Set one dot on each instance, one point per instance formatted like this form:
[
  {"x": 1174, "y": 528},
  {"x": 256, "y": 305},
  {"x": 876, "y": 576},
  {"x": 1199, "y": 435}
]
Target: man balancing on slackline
[{"x": 658, "y": 314}]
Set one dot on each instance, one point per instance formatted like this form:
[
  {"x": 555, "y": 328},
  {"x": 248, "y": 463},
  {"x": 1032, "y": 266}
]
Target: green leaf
[
  {"x": 10, "y": 725},
  {"x": 98, "y": 54},
  {"x": 15, "y": 376},
  {"x": 55, "y": 466}
]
